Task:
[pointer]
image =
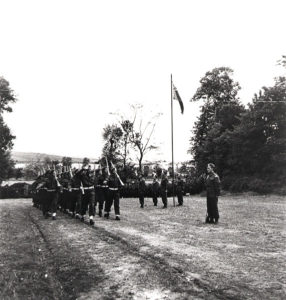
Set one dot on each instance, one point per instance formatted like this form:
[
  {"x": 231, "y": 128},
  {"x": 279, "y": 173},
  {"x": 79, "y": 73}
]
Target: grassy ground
[{"x": 152, "y": 253}]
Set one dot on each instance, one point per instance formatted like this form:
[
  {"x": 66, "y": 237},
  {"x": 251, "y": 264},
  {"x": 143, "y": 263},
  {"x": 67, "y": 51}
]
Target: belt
[
  {"x": 88, "y": 187},
  {"x": 113, "y": 189}
]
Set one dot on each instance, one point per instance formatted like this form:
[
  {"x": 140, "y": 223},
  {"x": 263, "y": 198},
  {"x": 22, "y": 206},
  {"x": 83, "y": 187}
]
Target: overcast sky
[{"x": 71, "y": 63}]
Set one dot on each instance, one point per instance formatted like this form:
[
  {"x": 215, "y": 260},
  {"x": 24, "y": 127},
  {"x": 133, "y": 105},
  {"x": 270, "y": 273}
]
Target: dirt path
[
  {"x": 149, "y": 254},
  {"x": 66, "y": 259}
]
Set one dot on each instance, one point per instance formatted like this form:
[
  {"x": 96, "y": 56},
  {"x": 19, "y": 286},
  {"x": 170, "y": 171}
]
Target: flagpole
[{"x": 172, "y": 140}]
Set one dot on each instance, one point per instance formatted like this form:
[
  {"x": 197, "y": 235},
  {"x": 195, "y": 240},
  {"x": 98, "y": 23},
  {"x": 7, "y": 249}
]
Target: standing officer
[
  {"x": 141, "y": 190},
  {"x": 114, "y": 183},
  {"x": 164, "y": 189},
  {"x": 213, "y": 191},
  {"x": 180, "y": 190},
  {"x": 155, "y": 190},
  {"x": 86, "y": 177}
]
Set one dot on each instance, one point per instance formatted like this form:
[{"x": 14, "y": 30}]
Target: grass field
[{"x": 152, "y": 253}]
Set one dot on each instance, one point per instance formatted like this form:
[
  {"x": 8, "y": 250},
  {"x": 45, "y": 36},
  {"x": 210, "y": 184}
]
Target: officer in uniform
[
  {"x": 164, "y": 189},
  {"x": 141, "y": 190},
  {"x": 114, "y": 183},
  {"x": 155, "y": 190},
  {"x": 180, "y": 190},
  {"x": 86, "y": 176},
  {"x": 212, "y": 183}
]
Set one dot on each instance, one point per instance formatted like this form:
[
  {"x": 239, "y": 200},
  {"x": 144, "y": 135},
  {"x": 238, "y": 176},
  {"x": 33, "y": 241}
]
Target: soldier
[
  {"x": 102, "y": 189},
  {"x": 51, "y": 194},
  {"x": 155, "y": 190},
  {"x": 213, "y": 191},
  {"x": 164, "y": 189},
  {"x": 65, "y": 181},
  {"x": 180, "y": 190},
  {"x": 88, "y": 194},
  {"x": 114, "y": 183},
  {"x": 141, "y": 190}
]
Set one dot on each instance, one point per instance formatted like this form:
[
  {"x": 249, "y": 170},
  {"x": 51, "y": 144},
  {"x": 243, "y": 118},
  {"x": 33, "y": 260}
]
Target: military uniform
[
  {"x": 164, "y": 190},
  {"x": 113, "y": 195},
  {"x": 180, "y": 190},
  {"x": 101, "y": 190},
  {"x": 87, "y": 200},
  {"x": 155, "y": 191},
  {"x": 212, "y": 183},
  {"x": 50, "y": 195},
  {"x": 141, "y": 191}
]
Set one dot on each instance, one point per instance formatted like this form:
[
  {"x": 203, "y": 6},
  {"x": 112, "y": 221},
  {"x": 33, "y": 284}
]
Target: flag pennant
[{"x": 176, "y": 96}]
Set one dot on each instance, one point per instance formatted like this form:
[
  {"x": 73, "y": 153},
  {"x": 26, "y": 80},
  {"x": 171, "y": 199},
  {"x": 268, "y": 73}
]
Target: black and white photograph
[{"x": 142, "y": 149}]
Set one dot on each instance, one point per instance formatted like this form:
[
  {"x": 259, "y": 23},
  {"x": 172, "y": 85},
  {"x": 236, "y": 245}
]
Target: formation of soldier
[{"x": 78, "y": 192}]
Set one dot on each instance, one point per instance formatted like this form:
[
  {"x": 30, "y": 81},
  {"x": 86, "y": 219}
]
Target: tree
[
  {"x": 142, "y": 133},
  {"x": 6, "y": 138},
  {"x": 259, "y": 141},
  {"x": 220, "y": 113},
  {"x": 112, "y": 135},
  {"x": 6, "y": 96}
]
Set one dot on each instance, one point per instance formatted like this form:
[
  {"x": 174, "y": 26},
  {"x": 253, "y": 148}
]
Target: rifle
[
  {"x": 107, "y": 166},
  {"x": 56, "y": 178},
  {"x": 117, "y": 174},
  {"x": 81, "y": 188}
]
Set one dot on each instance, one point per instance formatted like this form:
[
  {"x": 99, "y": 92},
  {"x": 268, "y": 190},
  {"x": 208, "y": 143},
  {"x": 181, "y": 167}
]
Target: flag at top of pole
[{"x": 176, "y": 96}]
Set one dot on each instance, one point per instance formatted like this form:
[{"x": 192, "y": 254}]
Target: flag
[{"x": 176, "y": 96}]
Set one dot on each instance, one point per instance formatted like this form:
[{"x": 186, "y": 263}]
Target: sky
[{"x": 73, "y": 64}]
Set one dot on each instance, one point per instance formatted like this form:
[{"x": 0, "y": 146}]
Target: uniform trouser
[
  {"x": 113, "y": 196},
  {"x": 212, "y": 208},
  {"x": 101, "y": 197},
  {"x": 61, "y": 200},
  {"x": 87, "y": 201},
  {"x": 180, "y": 197},
  {"x": 65, "y": 199},
  {"x": 73, "y": 200},
  {"x": 50, "y": 202},
  {"x": 164, "y": 199},
  {"x": 141, "y": 199},
  {"x": 155, "y": 200}
]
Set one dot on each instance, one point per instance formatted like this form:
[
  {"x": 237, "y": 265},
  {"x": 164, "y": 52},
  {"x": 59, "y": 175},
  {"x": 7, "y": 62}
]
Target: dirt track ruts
[{"x": 66, "y": 259}]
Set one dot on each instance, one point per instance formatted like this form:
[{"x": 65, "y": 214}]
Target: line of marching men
[{"x": 78, "y": 191}]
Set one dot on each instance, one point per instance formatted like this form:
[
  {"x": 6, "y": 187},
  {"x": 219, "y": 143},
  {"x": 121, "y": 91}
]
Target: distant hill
[{"x": 26, "y": 157}]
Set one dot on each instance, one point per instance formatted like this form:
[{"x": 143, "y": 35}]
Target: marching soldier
[
  {"x": 141, "y": 190},
  {"x": 180, "y": 190},
  {"x": 101, "y": 189},
  {"x": 88, "y": 194},
  {"x": 164, "y": 189},
  {"x": 114, "y": 183},
  {"x": 155, "y": 190},
  {"x": 212, "y": 182},
  {"x": 51, "y": 194}
]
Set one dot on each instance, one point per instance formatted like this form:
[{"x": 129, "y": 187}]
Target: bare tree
[{"x": 142, "y": 133}]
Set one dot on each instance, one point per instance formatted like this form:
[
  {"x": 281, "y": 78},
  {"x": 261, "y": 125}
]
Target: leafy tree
[
  {"x": 259, "y": 141},
  {"x": 219, "y": 113},
  {"x": 6, "y": 96},
  {"x": 6, "y": 138},
  {"x": 112, "y": 135}
]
